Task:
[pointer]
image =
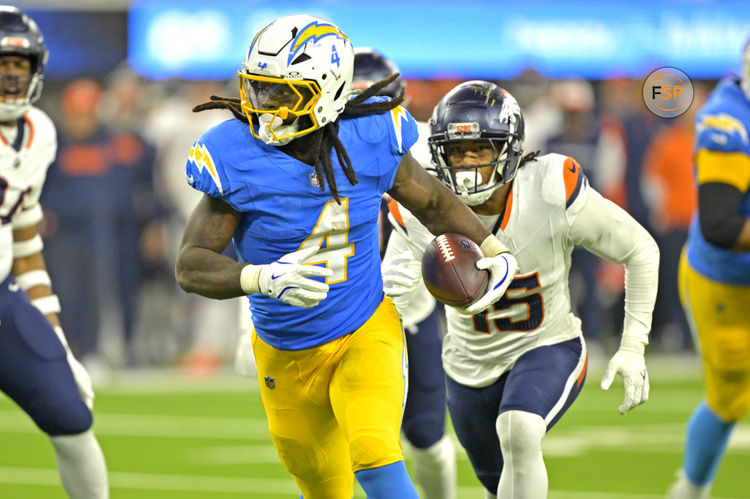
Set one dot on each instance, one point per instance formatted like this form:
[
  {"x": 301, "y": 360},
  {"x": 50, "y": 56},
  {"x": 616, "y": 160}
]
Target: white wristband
[
  {"x": 28, "y": 217},
  {"x": 33, "y": 278},
  {"x": 249, "y": 279},
  {"x": 492, "y": 246},
  {"x": 22, "y": 249},
  {"x": 47, "y": 304}
]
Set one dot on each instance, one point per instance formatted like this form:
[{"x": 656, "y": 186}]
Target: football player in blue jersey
[
  {"x": 37, "y": 369},
  {"x": 714, "y": 279},
  {"x": 295, "y": 181},
  {"x": 432, "y": 452}
]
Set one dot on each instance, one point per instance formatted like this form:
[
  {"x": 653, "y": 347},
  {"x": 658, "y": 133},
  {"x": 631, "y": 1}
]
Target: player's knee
[
  {"x": 520, "y": 431},
  {"x": 370, "y": 450},
  {"x": 732, "y": 409},
  {"x": 56, "y": 419},
  {"x": 302, "y": 461},
  {"x": 423, "y": 432}
]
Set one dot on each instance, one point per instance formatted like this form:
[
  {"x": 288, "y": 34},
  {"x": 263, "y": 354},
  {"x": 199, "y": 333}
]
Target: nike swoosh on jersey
[
  {"x": 572, "y": 168},
  {"x": 190, "y": 179},
  {"x": 13, "y": 287}
]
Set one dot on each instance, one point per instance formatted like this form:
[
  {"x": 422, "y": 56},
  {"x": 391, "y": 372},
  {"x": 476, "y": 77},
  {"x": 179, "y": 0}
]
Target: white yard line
[{"x": 231, "y": 485}]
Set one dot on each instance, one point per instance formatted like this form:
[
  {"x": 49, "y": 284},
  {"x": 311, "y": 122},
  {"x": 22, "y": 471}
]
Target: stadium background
[{"x": 172, "y": 418}]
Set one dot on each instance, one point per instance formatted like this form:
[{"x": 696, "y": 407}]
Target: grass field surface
[{"x": 168, "y": 437}]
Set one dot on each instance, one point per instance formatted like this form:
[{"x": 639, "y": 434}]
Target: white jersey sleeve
[
  {"x": 23, "y": 169},
  {"x": 608, "y": 231}
]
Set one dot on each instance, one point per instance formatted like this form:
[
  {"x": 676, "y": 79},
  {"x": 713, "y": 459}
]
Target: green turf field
[{"x": 167, "y": 437}]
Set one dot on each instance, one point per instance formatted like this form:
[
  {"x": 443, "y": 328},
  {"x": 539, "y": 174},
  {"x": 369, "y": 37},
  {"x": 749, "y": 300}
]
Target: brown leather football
[{"x": 449, "y": 270}]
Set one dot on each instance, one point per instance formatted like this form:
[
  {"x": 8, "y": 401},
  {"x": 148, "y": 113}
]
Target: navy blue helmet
[
  {"x": 477, "y": 111},
  {"x": 20, "y": 36},
  {"x": 370, "y": 66}
]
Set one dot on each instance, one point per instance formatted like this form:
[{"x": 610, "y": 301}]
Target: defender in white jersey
[
  {"x": 37, "y": 369},
  {"x": 515, "y": 369}
]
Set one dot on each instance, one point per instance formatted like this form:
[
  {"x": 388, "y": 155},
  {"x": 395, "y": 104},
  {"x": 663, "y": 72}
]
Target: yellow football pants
[
  {"x": 719, "y": 315},
  {"x": 336, "y": 408}
]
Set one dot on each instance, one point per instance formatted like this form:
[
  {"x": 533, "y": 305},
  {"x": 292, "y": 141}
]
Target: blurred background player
[
  {"x": 305, "y": 164},
  {"x": 37, "y": 369},
  {"x": 715, "y": 279},
  {"x": 515, "y": 369},
  {"x": 432, "y": 450}
]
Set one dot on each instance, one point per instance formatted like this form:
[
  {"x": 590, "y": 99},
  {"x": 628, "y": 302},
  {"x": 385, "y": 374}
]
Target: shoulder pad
[
  {"x": 562, "y": 179},
  {"x": 721, "y": 132}
]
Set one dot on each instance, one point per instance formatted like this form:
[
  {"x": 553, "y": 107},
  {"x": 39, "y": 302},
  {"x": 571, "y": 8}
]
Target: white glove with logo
[
  {"x": 81, "y": 376},
  {"x": 630, "y": 363},
  {"x": 503, "y": 269},
  {"x": 401, "y": 275},
  {"x": 288, "y": 280}
]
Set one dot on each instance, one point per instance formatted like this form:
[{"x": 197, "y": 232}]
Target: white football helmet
[
  {"x": 296, "y": 77},
  {"x": 20, "y": 36}
]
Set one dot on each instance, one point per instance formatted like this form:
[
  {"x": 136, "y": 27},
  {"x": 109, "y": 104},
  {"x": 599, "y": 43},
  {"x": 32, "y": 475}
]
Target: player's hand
[
  {"x": 502, "y": 268},
  {"x": 401, "y": 275},
  {"x": 288, "y": 280},
  {"x": 629, "y": 363},
  {"x": 81, "y": 376}
]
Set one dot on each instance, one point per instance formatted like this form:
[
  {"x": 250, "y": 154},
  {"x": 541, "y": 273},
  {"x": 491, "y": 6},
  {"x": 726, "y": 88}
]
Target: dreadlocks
[{"x": 329, "y": 135}]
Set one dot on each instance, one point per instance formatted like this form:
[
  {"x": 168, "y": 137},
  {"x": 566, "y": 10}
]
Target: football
[{"x": 449, "y": 270}]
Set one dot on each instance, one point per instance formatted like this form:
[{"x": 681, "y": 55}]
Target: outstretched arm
[
  {"x": 436, "y": 207},
  {"x": 609, "y": 232}
]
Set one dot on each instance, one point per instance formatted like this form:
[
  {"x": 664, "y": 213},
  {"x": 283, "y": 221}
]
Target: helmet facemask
[
  {"x": 20, "y": 37},
  {"x": 467, "y": 180},
  {"x": 296, "y": 78}
]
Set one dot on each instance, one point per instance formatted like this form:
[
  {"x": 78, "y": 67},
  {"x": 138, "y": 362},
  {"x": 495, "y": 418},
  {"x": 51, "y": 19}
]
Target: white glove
[
  {"x": 503, "y": 269},
  {"x": 630, "y": 363},
  {"x": 81, "y": 376},
  {"x": 288, "y": 280},
  {"x": 401, "y": 275}
]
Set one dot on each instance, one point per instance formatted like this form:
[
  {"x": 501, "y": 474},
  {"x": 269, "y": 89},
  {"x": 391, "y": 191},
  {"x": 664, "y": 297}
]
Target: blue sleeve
[
  {"x": 403, "y": 130},
  {"x": 402, "y": 135},
  {"x": 720, "y": 132},
  {"x": 204, "y": 169}
]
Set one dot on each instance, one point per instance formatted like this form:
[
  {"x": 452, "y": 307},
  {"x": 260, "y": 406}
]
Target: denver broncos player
[
  {"x": 714, "y": 279},
  {"x": 295, "y": 180},
  {"x": 37, "y": 369},
  {"x": 513, "y": 370},
  {"x": 432, "y": 453}
]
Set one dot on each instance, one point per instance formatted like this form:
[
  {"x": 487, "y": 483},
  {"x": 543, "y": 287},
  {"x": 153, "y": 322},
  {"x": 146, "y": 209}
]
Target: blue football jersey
[
  {"x": 285, "y": 210},
  {"x": 722, "y": 126}
]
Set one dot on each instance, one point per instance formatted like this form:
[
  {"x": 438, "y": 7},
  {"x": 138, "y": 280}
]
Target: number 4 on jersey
[{"x": 331, "y": 234}]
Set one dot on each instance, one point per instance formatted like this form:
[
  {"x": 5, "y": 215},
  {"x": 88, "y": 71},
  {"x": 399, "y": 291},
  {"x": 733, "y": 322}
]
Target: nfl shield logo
[
  {"x": 270, "y": 382},
  {"x": 314, "y": 180}
]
